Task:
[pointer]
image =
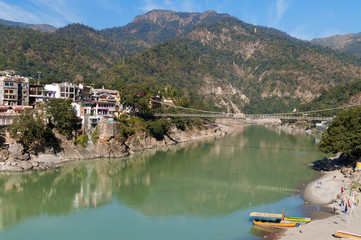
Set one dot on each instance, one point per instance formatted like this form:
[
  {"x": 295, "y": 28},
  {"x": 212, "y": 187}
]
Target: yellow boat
[
  {"x": 277, "y": 224},
  {"x": 349, "y": 235},
  {"x": 272, "y": 220},
  {"x": 297, "y": 219}
]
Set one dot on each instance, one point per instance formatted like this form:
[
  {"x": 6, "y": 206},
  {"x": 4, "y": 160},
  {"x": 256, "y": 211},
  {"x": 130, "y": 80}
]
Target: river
[{"x": 202, "y": 190}]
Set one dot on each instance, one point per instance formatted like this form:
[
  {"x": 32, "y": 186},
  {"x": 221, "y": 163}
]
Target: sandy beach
[{"x": 326, "y": 191}]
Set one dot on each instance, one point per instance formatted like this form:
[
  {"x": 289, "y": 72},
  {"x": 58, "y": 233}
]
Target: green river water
[{"x": 203, "y": 190}]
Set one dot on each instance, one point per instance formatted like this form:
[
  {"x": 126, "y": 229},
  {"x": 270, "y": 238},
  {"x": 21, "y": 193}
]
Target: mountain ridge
[
  {"x": 348, "y": 43},
  {"x": 233, "y": 65},
  {"x": 39, "y": 27}
]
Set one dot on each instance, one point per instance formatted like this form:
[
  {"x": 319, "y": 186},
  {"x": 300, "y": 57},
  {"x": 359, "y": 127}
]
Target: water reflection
[{"x": 257, "y": 167}]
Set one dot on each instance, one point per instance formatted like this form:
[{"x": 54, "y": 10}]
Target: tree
[
  {"x": 344, "y": 134},
  {"x": 30, "y": 130},
  {"x": 62, "y": 115}
]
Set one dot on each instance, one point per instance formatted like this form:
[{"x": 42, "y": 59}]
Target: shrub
[
  {"x": 158, "y": 128},
  {"x": 30, "y": 130},
  {"x": 82, "y": 140},
  {"x": 95, "y": 137},
  {"x": 180, "y": 123}
]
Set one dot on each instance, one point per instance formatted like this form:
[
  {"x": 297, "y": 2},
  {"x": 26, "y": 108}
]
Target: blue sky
[{"x": 304, "y": 19}]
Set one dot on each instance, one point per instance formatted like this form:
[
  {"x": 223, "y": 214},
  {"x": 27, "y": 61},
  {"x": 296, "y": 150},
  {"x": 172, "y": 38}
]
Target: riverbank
[
  {"x": 326, "y": 191},
  {"x": 15, "y": 159}
]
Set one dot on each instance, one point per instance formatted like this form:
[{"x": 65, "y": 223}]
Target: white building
[{"x": 61, "y": 90}]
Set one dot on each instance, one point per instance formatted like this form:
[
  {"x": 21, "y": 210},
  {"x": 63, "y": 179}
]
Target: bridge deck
[{"x": 246, "y": 116}]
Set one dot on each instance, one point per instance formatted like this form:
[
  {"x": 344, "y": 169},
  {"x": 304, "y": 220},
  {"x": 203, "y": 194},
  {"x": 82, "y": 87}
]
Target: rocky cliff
[{"x": 15, "y": 159}]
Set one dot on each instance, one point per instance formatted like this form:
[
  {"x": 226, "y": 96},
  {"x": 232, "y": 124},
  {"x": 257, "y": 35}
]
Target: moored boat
[
  {"x": 297, "y": 219},
  {"x": 272, "y": 220},
  {"x": 349, "y": 235},
  {"x": 277, "y": 224}
]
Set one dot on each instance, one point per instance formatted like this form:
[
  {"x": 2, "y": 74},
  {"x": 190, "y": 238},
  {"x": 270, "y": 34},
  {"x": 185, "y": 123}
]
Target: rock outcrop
[{"x": 16, "y": 159}]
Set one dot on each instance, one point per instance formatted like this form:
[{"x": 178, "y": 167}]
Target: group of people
[{"x": 346, "y": 203}]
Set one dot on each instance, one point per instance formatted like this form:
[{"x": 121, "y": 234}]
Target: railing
[
  {"x": 192, "y": 115},
  {"x": 247, "y": 116},
  {"x": 288, "y": 117}
]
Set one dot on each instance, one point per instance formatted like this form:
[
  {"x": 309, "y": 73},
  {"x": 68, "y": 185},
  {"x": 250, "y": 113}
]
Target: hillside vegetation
[
  {"x": 234, "y": 65},
  {"x": 347, "y": 43},
  {"x": 74, "y": 52},
  {"x": 158, "y": 26},
  {"x": 214, "y": 60},
  {"x": 341, "y": 95}
]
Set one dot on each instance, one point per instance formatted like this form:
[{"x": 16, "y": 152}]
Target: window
[
  {"x": 62, "y": 94},
  {"x": 62, "y": 89},
  {"x": 6, "y": 84},
  {"x": 11, "y": 84}
]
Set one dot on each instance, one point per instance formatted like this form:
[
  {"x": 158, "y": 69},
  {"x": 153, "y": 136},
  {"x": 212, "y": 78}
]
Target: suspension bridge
[{"x": 298, "y": 116}]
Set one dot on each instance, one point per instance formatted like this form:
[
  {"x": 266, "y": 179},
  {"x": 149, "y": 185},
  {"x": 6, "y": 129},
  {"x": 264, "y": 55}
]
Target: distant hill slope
[
  {"x": 158, "y": 26},
  {"x": 109, "y": 50},
  {"x": 348, "y": 43},
  {"x": 72, "y": 52},
  {"x": 38, "y": 27},
  {"x": 237, "y": 65},
  {"x": 232, "y": 65},
  {"x": 341, "y": 95}
]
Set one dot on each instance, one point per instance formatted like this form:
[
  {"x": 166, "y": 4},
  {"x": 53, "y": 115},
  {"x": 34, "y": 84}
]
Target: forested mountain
[
  {"x": 38, "y": 27},
  {"x": 348, "y": 43},
  {"x": 341, "y": 95},
  {"x": 231, "y": 65},
  {"x": 234, "y": 65},
  {"x": 109, "y": 50},
  {"x": 158, "y": 26},
  {"x": 73, "y": 52}
]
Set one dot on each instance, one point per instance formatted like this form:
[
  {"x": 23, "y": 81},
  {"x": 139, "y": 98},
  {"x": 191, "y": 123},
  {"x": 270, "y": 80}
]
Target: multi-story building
[
  {"x": 14, "y": 90},
  {"x": 61, "y": 90},
  {"x": 91, "y": 112},
  {"x": 35, "y": 94},
  {"x": 105, "y": 95},
  {"x": 85, "y": 92},
  {"x": 23, "y": 92}
]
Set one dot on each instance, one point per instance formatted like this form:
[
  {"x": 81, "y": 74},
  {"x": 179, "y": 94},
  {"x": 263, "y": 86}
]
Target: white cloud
[
  {"x": 17, "y": 14},
  {"x": 54, "y": 12},
  {"x": 301, "y": 32},
  {"x": 110, "y": 6},
  {"x": 182, "y": 6},
  {"x": 149, "y": 5},
  {"x": 330, "y": 32},
  {"x": 188, "y": 6},
  {"x": 280, "y": 9},
  {"x": 60, "y": 8}
]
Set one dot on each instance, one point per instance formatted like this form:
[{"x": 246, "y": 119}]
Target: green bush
[
  {"x": 158, "y": 128},
  {"x": 137, "y": 123},
  {"x": 126, "y": 130},
  {"x": 30, "y": 130},
  {"x": 82, "y": 140},
  {"x": 95, "y": 137},
  {"x": 180, "y": 123}
]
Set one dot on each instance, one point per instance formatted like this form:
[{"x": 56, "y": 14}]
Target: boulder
[
  {"x": 18, "y": 153},
  {"x": 25, "y": 165},
  {"x": 6, "y": 168}
]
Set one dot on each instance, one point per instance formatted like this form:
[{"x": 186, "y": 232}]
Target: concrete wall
[{"x": 107, "y": 130}]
